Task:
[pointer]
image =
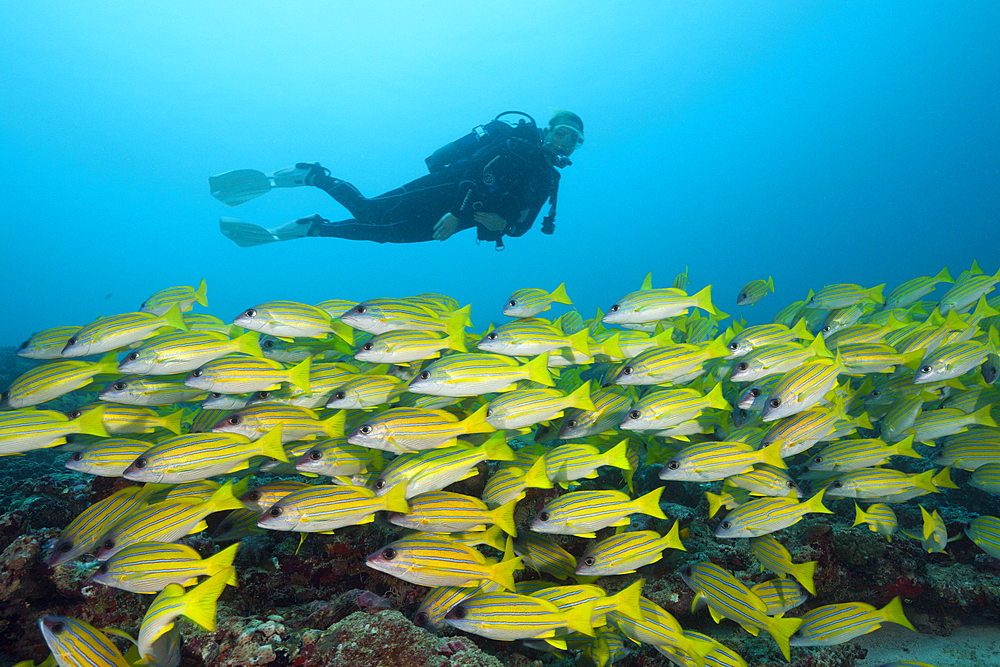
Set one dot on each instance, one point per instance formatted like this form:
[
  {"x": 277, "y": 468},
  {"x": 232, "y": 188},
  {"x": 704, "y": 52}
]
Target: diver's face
[{"x": 562, "y": 140}]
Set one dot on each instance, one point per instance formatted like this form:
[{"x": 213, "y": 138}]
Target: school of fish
[{"x": 378, "y": 406}]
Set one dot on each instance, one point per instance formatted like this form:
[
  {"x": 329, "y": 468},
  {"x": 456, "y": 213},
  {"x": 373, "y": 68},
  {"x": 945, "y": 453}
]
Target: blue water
[{"x": 816, "y": 142}]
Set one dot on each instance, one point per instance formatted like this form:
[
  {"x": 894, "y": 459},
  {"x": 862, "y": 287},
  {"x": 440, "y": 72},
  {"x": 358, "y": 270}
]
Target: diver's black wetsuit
[{"x": 499, "y": 169}]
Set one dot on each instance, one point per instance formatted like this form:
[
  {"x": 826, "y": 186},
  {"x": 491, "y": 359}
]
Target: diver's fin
[
  {"x": 235, "y": 187},
  {"x": 245, "y": 234}
]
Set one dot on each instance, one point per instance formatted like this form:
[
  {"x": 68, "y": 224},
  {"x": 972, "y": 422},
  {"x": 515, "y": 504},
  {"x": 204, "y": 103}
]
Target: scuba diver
[{"x": 496, "y": 179}]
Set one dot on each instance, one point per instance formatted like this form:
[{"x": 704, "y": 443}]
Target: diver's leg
[{"x": 343, "y": 192}]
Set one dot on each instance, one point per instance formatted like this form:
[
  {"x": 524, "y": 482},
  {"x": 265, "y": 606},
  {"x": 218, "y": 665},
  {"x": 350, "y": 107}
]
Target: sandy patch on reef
[{"x": 972, "y": 645}]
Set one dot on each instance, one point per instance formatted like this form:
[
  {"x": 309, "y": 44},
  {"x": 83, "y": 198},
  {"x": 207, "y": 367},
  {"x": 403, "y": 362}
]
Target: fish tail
[
  {"x": 496, "y": 448},
  {"x": 223, "y": 499},
  {"x": 650, "y": 503},
  {"x": 859, "y": 518},
  {"x": 456, "y": 340},
  {"x": 476, "y": 422},
  {"x": 558, "y": 295},
  {"x": 172, "y": 422},
  {"x": 270, "y": 444},
  {"x": 673, "y": 537},
  {"x": 803, "y": 573},
  {"x": 580, "y": 341},
  {"x": 92, "y": 422},
  {"x": 905, "y": 448},
  {"x": 221, "y": 561},
  {"x": 299, "y": 374},
  {"x": 249, "y": 343},
  {"x": 893, "y": 612},
  {"x": 580, "y": 398},
  {"x": 578, "y": 618},
  {"x": 503, "y": 572},
  {"x": 925, "y": 481},
  {"x": 394, "y": 499},
  {"x": 875, "y": 293},
  {"x": 174, "y": 319},
  {"x": 782, "y": 630},
  {"x": 617, "y": 456},
  {"x": 943, "y": 276},
  {"x": 815, "y": 504},
  {"x": 912, "y": 359},
  {"x": 942, "y": 480},
  {"x": 199, "y": 602},
  {"x": 200, "y": 294},
  {"x": 715, "y": 399},
  {"x": 334, "y": 425},
  {"x": 535, "y": 477},
  {"x": 772, "y": 455},
  {"x": 627, "y": 600},
  {"x": 493, "y": 537},
  {"x": 982, "y": 416},
  {"x": 537, "y": 370},
  {"x": 503, "y": 516},
  {"x": 715, "y": 502},
  {"x": 612, "y": 348},
  {"x": 801, "y": 330}
]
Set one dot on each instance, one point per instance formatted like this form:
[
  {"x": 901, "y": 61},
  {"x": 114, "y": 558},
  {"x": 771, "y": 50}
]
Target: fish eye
[
  {"x": 544, "y": 516},
  {"x": 65, "y": 547},
  {"x": 571, "y": 423},
  {"x": 340, "y": 395},
  {"x": 361, "y": 310},
  {"x": 512, "y": 303},
  {"x": 77, "y": 456},
  {"x": 268, "y": 344},
  {"x": 109, "y": 544},
  {"x": 253, "y": 496},
  {"x": 72, "y": 341},
  {"x": 388, "y": 554},
  {"x": 876, "y": 393},
  {"x": 926, "y": 369},
  {"x": 790, "y": 484},
  {"x": 367, "y": 347},
  {"x": 614, "y": 309},
  {"x": 215, "y": 394},
  {"x": 103, "y": 569},
  {"x": 827, "y": 329},
  {"x": 265, "y": 394},
  {"x": 627, "y": 370},
  {"x": 421, "y": 618},
  {"x": 140, "y": 463},
  {"x": 197, "y": 373},
  {"x": 459, "y": 612},
  {"x": 673, "y": 465},
  {"x": 380, "y": 483},
  {"x": 634, "y": 414},
  {"x": 489, "y": 412},
  {"x": 274, "y": 511},
  {"x": 315, "y": 454},
  {"x": 743, "y": 295},
  {"x": 837, "y": 485},
  {"x": 754, "y": 392},
  {"x": 818, "y": 459},
  {"x": 774, "y": 402},
  {"x": 726, "y": 525},
  {"x": 73, "y": 414},
  {"x": 588, "y": 561},
  {"x": 234, "y": 420},
  {"x": 424, "y": 375},
  {"x": 365, "y": 430},
  {"x": 734, "y": 346},
  {"x": 119, "y": 385},
  {"x": 131, "y": 356},
  {"x": 250, "y": 312},
  {"x": 58, "y": 628},
  {"x": 742, "y": 365},
  {"x": 491, "y": 335}
]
